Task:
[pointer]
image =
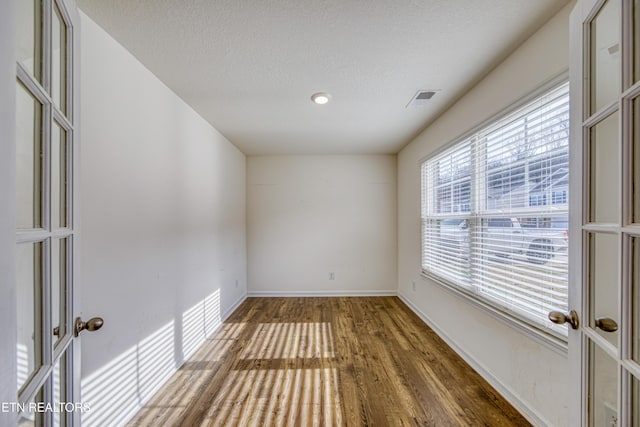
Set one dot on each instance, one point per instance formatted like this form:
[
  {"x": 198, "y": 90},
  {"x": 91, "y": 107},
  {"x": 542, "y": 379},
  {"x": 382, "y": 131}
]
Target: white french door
[
  {"x": 604, "y": 348},
  {"x": 46, "y": 234}
]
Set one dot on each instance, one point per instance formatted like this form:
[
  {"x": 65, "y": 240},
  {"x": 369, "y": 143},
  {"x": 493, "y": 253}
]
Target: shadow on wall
[{"x": 119, "y": 389}]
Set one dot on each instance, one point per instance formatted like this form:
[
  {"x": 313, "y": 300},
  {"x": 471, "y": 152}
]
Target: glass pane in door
[
  {"x": 28, "y": 160},
  {"x": 635, "y": 163},
  {"x": 29, "y": 417},
  {"x": 29, "y": 35},
  {"x": 635, "y": 402},
  {"x": 58, "y": 289},
  {"x": 59, "y": 171},
  {"x": 605, "y": 56},
  {"x": 635, "y": 292},
  {"x": 603, "y": 387},
  {"x": 603, "y": 284},
  {"x": 59, "y": 390},
  {"x": 604, "y": 205},
  {"x": 29, "y": 285},
  {"x": 59, "y": 60}
]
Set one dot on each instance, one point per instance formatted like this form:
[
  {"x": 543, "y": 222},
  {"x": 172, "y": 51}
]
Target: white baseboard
[
  {"x": 233, "y": 307},
  {"x": 529, "y": 413},
  {"x": 340, "y": 293}
]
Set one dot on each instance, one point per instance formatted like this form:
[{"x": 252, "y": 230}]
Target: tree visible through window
[{"x": 495, "y": 211}]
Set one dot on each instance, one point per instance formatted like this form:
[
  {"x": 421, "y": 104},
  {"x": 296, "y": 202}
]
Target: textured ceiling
[{"x": 249, "y": 67}]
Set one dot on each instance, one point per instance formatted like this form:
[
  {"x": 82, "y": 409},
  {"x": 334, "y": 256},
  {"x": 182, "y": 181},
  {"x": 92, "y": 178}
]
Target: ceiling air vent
[{"x": 421, "y": 98}]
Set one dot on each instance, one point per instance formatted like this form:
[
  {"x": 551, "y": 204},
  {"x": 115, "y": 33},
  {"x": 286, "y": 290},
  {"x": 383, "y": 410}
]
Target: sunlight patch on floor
[{"x": 278, "y": 397}]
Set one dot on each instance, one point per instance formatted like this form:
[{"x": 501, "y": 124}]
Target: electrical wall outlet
[
  {"x": 332, "y": 276},
  {"x": 413, "y": 283}
]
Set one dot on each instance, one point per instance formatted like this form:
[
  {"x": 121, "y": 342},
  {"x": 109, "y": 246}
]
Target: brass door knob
[
  {"x": 606, "y": 324},
  {"x": 90, "y": 325},
  {"x": 561, "y": 318}
]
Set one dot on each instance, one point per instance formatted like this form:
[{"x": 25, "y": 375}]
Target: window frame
[{"x": 468, "y": 292}]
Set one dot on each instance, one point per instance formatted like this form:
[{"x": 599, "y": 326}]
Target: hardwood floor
[{"x": 326, "y": 362}]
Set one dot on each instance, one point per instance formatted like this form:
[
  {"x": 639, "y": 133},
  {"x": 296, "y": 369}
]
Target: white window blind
[{"x": 495, "y": 212}]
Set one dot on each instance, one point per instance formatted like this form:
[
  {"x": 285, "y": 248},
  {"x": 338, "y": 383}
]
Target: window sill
[{"x": 552, "y": 342}]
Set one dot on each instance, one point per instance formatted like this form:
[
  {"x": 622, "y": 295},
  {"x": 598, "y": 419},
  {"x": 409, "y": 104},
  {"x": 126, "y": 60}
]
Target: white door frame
[
  {"x": 577, "y": 360},
  {"x": 76, "y": 393},
  {"x": 8, "y": 366}
]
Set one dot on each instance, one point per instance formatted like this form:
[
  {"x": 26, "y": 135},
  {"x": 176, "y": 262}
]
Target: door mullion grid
[
  {"x": 46, "y": 167},
  {"x": 69, "y": 174},
  {"x": 586, "y": 62},
  {"x": 632, "y": 366},
  {"x": 588, "y": 120},
  {"x": 48, "y": 224},
  {"x": 71, "y": 394},
  {"x": 626, "y": 41},
  {"x": 601, "y": 114},
  {"x": 66, "y": 339},
  {"x": 67, "y": 120},
  {"x": 47, "y": 356},
  {"x": 69, "y": 137},
  {"x": 588, "y": 227},
  {"x": 626, "y": 129},
  {"x": 69, "y": 88},
  {"x": 46, "y": 45},
  {"x": 584, "y": 236},
  {"x": 62, "y": 119},
  {"x": 42, "y": 380},
  {"x": 626, "y": 330},
  {"x": 62, "y": 344},
  {"x": 34, "y": 87},
  {"x": 585, "y": 374},
  {"x": 632, "y": 91},
  {"x": 31, "y": 236},
  {"x": 33, "y": 384},
  {"x": 45, "y": 298}
]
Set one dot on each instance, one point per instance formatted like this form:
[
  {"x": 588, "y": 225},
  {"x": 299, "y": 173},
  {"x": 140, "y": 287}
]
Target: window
[
  {"x": 495, "y": 212},
  {"x": 559, "y": 197},
  {"x": 537, "y": 199}
]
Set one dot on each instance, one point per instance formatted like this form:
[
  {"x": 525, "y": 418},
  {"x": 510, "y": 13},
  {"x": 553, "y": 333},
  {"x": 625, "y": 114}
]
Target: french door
[
  {"x": 604, "y": 347},
  {"x": 46, "y": 237}
]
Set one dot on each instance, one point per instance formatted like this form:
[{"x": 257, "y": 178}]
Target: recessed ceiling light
[{"x": 321, "y": 98}]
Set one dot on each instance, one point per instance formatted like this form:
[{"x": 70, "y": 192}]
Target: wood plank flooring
[{"x": 326, "y": 362}]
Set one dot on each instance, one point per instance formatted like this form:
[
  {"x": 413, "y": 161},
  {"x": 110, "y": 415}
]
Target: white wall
[
  {"x": 309, "y": 216},
  {"x": 531, "y": 375},
  {"x": 163, "y": 235},
  {"x": 7, "y": 209}
]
